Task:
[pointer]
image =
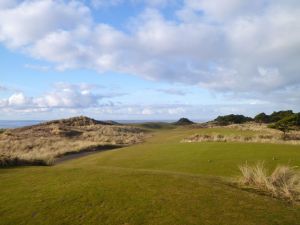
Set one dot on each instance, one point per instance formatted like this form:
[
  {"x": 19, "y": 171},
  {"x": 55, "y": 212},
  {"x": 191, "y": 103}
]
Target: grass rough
[
  {"x": 41, "y": 144},
  {"x": 283, "y": 182}
]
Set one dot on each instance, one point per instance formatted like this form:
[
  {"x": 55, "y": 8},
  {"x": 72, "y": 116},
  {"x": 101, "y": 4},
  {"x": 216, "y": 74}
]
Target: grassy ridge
[
  {"x": 41, "y": 144},
  {"x": 161, "y": 181}
]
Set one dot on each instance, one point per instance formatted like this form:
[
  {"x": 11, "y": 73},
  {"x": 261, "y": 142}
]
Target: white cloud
[
  {"x": 63, "y": 96},
  {"x": 236, "y": 46},
  {"x": 147, "y": 111},
  {"x": 123, "y": 111},
  {"x": 17, "y": 99},
  {"x": 68, "y": 97},
  {"x": 30, "y": 21}
]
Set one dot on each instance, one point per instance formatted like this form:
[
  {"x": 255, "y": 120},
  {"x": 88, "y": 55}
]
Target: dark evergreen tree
[{"x": 262, "y": 118}]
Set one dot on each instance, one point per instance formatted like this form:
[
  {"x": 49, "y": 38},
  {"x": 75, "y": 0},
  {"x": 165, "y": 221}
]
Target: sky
[{"x": 148, "y": 59}]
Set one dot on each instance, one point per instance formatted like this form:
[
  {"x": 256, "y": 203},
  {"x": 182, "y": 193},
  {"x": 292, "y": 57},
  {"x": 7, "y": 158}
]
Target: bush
[
  {"x": 232, "y": 119},
  {"x": 277, "y": 116},
  {"x": 288, "y": 123},
  {"x": 284, "y": 182},
  {"x": 292, "y": 121},
  {"x": 262, "y": 118}
]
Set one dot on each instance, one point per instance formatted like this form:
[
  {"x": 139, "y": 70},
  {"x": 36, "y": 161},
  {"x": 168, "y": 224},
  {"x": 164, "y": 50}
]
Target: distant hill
[{"x": 183, "y": 121}]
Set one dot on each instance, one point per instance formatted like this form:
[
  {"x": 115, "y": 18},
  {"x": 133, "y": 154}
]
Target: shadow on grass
[
  {"x": 234, "y": 184},
  {"x": 84, "y": 152}
]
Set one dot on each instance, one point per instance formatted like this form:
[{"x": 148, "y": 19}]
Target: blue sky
[{"x": 150, "y": 60}]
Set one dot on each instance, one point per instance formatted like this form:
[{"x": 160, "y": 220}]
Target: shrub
[
  {"x": 290, "y": 138},
  {"x": 276, "y": 116},
  {"x": 284, "y": 182},
  {"x": 262, "y": 118},
  {"x": 288, "y": 123},
  {"x": 232, "y": 119}
]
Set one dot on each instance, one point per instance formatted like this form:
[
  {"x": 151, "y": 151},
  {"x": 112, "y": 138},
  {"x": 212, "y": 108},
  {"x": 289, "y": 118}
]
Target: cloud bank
[
  {"x": 63, "y": 96},
  {"x": 248, "y": 48}
]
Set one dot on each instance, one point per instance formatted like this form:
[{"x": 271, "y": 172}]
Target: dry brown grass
[
  {"x": 252, "y": 126},
  {"x": 41, "y": 144},
  {"x": 275, "y": 138},
  {"x": 283, "y": 182}
]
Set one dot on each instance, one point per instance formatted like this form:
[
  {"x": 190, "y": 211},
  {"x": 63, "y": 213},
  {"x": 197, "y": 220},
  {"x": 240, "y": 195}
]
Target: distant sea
[{"x": 18, "y": 123}]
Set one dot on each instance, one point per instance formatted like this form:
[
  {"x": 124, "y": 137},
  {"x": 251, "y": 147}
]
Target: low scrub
[
  {"x": 293, "y": 138},
  {"x": 283, "y": 182}
]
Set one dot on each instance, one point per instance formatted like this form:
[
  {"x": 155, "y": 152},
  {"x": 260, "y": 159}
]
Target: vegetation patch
[
  {"x": 41, "y": 144},
  {"x": 156, "y": 125},
  {"x": 288, "y": 123},
  {"x": 292, "y": 138},
  {"x": 283, "y": 182},
  {"x": 232, "y": 119},
  {"x": 281, "y": 117}
]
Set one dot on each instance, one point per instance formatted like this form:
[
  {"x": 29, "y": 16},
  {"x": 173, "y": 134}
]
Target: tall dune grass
[
  {"x": 283, "y": 182},
  {"x": 292, "y": 138},
  {"x": 41, "y": 144}
]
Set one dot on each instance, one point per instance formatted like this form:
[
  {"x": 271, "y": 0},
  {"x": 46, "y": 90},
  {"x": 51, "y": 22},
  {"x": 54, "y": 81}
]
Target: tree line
[{"x": 281, "y": 120}]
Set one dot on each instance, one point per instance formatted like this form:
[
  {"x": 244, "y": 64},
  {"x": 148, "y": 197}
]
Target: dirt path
[{"x": 84, "y": 152}]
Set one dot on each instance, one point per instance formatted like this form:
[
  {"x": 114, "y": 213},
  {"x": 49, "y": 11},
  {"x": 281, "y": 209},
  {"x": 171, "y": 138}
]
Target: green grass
[
  {"x": 161, "y": 181},
  {"x": 155, "y": 125}
]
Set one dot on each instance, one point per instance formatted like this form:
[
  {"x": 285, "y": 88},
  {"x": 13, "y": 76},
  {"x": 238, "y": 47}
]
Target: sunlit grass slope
[
  {"x": 161, "y": 181},
  {"x": 165, "y": 152}
]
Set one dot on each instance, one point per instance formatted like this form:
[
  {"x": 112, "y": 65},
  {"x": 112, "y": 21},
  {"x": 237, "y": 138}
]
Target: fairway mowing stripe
[{"x": 164, "y": 172}]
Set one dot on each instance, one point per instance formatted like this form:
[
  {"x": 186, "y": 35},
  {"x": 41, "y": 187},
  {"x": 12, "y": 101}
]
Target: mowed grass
[
  {"x": 165, "y": 152},
  {"x": 160, "y": 181}
]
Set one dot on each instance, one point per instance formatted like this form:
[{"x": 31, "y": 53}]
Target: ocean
[{"x": 18, "y": 123}]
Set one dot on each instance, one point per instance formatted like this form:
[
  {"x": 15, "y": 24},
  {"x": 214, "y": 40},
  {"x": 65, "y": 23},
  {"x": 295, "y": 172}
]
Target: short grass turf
[{"x": 161, "y": 181}]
